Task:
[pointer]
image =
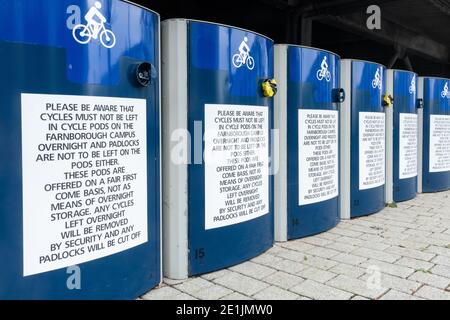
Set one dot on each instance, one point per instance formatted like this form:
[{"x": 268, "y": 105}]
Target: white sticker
[
  {"x": 236, "y": 164},
  {"x": 439, "y": 143},
  {"x": 84, "y": 179},
  {"x": 372, "y": 142},
  {"x": 318, "y": 155},
  {"x": 408, "y": 140}
]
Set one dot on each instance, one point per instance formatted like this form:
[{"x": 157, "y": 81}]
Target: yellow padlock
[
  {"x": 388, "y": 101},
  {"x": 269, "y": 88}
]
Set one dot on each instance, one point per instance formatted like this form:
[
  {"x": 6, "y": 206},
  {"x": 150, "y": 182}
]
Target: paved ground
[{"x": 401, "y": 253}]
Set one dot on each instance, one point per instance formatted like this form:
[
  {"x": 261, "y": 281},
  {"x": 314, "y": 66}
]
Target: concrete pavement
[{"x": 400, "y": 253}]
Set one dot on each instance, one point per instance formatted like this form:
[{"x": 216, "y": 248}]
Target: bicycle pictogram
[
  {"x": 412, "y": 87},
  {"x": 377, "y": 83},
  {"x": 243, "y": 57},
  {"x": 94, "y": 29},
  {"x": 323, "y": 72}
]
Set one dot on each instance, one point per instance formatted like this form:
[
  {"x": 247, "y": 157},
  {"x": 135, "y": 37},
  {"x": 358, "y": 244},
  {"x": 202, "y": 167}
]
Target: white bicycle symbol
[
  {"x": 376, "y": 83},
  {"x": 412, "y": 88},
  {"x": 239, "y": 61},
  {"x": 445, "y": 93},
  {"x": 83, "y": 34},
  {"x": 324, "y": 74}
]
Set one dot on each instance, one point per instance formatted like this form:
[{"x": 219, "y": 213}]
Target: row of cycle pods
[{"x": 253, "y": 142}]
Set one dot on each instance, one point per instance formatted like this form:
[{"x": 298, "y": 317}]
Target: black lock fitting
[
  {"x": 338, "y": 95},
  {"x": 419, "y": 103},
  {"x": 144, "y": 73}
]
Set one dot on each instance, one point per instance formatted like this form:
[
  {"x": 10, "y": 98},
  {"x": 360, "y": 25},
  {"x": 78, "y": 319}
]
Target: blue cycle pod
[
  {"x": 434, "y": 124},
  {"x": 79, "y": 171},
  {"x": 307, "y": 118},
  {"x": 217, "y": 119},
  {"x": 363, "y": 138}
]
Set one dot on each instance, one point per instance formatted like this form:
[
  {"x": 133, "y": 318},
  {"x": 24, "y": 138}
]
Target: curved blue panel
[
  {"x": 366, "y": 96},
  {"x": 40, "y": 56},
  {"x": 405, "y": 98},
  {"x": 214, "y": 79},
  {"x": 436, "y": 99},
  {"x": 308, "y": 91},
  {"x": 49, "y": 23}
]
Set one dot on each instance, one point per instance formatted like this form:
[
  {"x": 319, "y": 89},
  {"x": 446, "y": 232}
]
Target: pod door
[
  {"x": 405, "y": 135},
  {"x": 313, "y": 153},
  {"x": 363, "y": 139},
  {"x": 436, "y": 128},
  {"x": 230, "y": 193},
  {"x": 79, "y": 171}
]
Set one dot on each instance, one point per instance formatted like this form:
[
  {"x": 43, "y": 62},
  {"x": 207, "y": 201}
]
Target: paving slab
[{"x": 400, "y": 253}]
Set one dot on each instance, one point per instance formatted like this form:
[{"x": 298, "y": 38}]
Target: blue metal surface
[
  {"x": 405, "y": 101},
  {"x": 214, "y": 80},
  {"x": 365, "y": 98},
  {"x": 434, "y": 103},
  {"x": 39, "y": 55},
  {"x": 306, "y": 91},
  {"x": 25, "y": 21}
]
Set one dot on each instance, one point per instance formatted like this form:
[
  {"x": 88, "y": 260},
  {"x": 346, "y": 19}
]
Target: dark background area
[{"x": 414, "y": 34}]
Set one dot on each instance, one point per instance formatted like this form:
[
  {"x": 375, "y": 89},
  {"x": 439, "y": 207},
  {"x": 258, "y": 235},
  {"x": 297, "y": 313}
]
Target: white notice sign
[
  {"x": 439, "y": 143},
  {"x": 408, "y": 144},
  {"x": 236, "y": 164},
  {"x": 318, "y": 155},
  {"x": 84, "y": 179},
  {"x": 372, "y": 156}
]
